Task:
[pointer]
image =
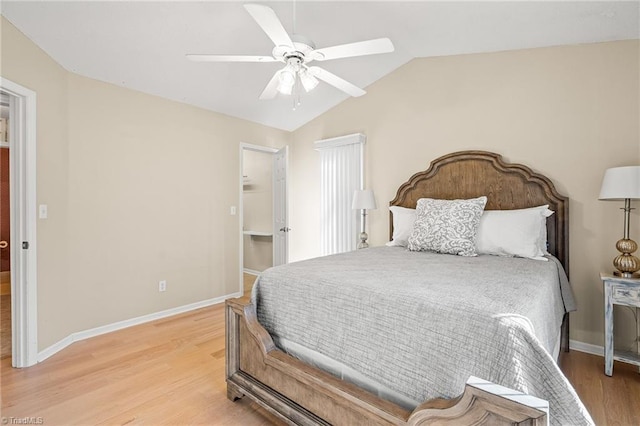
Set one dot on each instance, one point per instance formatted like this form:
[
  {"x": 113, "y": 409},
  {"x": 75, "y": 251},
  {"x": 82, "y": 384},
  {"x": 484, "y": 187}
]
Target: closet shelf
[{"x": 258, "y": 233}]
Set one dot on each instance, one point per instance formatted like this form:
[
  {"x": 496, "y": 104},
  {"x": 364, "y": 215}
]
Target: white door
[{"x": 280, "y": 222}]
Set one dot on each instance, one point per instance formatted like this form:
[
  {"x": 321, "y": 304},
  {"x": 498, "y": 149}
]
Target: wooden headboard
[{"x": 470, "y": 174}]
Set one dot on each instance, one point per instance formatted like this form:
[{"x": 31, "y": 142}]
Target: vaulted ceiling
[{"x": 142, "y": 45}]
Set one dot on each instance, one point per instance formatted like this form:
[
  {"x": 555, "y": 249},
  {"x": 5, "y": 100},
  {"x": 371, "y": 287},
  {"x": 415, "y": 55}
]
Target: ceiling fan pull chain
[{"x": 296, "y": 92}]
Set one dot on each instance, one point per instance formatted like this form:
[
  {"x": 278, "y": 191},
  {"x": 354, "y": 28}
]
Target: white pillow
[
  {"x": 403, "y": 219},
  {"x": 521, "y": 233},
  {"x": 447, "y": 226}
]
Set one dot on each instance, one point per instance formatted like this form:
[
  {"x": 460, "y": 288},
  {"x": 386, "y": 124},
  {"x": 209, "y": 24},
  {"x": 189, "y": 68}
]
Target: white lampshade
[
  {"x": 287, "y": 81},
  {"x": 620, "y": 183},
  {"x": 363, "y": 199},
  {"x": 309, "y": 82}
]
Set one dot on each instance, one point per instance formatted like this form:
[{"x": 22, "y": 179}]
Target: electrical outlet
[{"x": 162, "y": 286}]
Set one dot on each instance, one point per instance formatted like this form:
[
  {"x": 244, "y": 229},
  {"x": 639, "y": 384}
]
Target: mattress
[{"x": 414, "y": 326}]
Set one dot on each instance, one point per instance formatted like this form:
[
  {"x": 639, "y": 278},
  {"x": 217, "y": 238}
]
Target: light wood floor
[
  {"x": 5, "y": 326},
  {"x": 248, "y": 280},
  {"x": 171, "y": 371},
  {"x": 610, "y": 400}
]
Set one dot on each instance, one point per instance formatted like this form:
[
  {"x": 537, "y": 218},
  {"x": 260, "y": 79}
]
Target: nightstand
[{"x": 618, "y": 291}]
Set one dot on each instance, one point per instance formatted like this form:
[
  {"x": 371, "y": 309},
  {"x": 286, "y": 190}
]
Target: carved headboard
[{"x": 470, "y": 174}]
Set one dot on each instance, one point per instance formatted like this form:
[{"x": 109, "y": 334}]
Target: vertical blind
[{"x": 341, "y": 173}]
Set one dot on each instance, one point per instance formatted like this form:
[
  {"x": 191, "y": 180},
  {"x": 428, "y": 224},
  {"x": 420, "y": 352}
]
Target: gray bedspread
[{"x": 421, "y": 323}]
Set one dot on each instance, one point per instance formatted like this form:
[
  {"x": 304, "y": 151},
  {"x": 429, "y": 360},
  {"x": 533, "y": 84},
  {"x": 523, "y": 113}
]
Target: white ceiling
[{"x": 141, "y": 45}]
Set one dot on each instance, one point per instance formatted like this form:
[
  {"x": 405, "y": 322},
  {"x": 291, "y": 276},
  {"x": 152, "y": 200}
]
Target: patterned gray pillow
[{"x": 447, "y": 226}]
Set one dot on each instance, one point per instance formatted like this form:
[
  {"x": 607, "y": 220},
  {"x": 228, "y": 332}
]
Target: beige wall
[
  {"x": 567, "y": 112},
  {"x": 139, "y": 190},
  {"x": 24, "y": 63},
  {"x": 258, "y": 209}
]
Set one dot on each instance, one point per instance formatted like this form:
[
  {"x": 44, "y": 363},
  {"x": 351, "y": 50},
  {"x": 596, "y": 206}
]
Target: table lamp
[
  {"x": 363, "y": 199},
  {"x": 623, "y": 183}
]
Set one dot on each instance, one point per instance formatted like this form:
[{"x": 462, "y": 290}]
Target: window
[{"x": 341, "y": 174}]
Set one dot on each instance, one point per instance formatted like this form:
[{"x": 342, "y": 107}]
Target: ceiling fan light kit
[
  {"x": 296, "y": 52},
  {"x": 287, "y": 81},
  {"x": 309, "y": 82}
]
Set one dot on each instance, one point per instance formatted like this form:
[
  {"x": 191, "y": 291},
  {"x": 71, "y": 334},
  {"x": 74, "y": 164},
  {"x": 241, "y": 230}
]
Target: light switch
[
  {"x": 42, "y": 211},
  {"x": 233, "y": 210}
]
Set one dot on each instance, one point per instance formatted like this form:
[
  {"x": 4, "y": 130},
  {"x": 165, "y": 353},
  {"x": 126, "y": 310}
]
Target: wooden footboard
[{"x": 303, "y": 395}]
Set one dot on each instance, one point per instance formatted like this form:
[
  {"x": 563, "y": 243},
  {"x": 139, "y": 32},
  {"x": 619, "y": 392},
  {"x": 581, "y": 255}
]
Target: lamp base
[
  {"x": 363, "y": 240},
  {"x": 626, "y": 263}
]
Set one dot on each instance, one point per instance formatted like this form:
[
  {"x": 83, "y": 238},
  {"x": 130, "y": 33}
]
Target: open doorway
[
  {"x": 263, "y": 211},
  {"x": 5, "y": 234},
  {"x": 21, "y": 200}
]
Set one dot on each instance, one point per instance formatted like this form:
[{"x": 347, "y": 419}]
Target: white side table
[{"x": 618, "y": 291}]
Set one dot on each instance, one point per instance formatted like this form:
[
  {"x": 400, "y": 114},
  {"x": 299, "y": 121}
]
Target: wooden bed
[{"x": 301, "y": 394}]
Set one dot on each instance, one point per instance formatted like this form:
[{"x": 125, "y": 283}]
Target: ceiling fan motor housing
[{"x": 302, "y": 47}]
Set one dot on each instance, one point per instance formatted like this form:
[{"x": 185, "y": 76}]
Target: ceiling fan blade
[
  {"x": 230, "y": 58},
  {"x": 361, "y": 48},
  {"x": 334, "y": 80},
  {"x": 271, "y": 90},
  {"x": 270, "y": 24}
]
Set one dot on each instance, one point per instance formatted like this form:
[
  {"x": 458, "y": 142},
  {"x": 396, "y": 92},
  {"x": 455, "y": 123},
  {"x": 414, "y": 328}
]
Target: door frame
[
  {"x": 285, "y": 201},
  {"x": 22, "y": 164},
  {"x": 248, "y": 147}
]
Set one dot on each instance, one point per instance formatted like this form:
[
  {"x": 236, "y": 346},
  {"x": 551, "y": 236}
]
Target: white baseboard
[
  {"x": 586, "y": 347},
  {"x": 93, "y": 332},
  {"x": 55, "y": 348},
  {"x": 251, "y": 271}
]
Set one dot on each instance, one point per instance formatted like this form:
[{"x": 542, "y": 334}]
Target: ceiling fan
[{"x": 297, "y": 52}]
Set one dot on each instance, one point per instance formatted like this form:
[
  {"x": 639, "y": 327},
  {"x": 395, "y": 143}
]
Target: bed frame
[{"x": 303, "y": 395}]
